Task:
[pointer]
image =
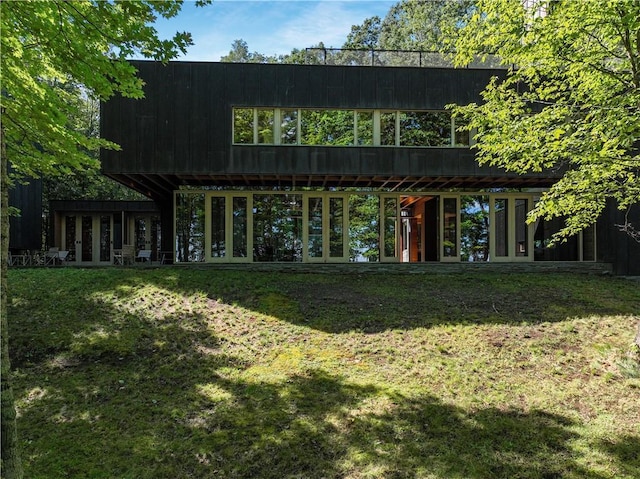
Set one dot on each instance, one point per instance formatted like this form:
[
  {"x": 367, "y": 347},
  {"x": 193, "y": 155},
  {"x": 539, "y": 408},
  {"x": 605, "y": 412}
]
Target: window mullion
[
  {"x": 397, "y": 132},
  {"x": 255, "y": 126}
]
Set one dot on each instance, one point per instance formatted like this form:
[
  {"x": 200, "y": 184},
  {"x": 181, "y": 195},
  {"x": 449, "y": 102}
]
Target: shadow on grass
[
  {"x": 376, "y": 302},
  {"x": 148, "y": 425},
  {"x": 148, "y": 393}
]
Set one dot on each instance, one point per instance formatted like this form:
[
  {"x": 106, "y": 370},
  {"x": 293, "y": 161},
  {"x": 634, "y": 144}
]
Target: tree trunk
[{"x": 11, "y": 465}]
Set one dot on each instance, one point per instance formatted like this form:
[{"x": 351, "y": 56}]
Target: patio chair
[
  {"x": 144, "y": 255},
  {"x": 50, "y": 256}
]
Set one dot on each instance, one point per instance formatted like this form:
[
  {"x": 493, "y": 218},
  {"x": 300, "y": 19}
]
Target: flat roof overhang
[{"x": 160, "y": 186}]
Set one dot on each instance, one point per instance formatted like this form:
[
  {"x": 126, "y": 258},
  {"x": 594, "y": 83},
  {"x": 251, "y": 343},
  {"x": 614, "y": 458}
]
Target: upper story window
[
  {"x": 253, "y": 125},
  {"x": 425, "y": 128},
  {"x": 327, "y": 127},
  {"x": 335, "y": 127}
]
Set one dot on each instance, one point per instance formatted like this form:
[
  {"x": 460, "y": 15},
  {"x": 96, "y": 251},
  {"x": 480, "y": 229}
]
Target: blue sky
[{"x": 268, "y": 27}]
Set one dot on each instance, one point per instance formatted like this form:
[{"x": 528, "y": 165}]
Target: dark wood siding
[
  {"x": 183, "y": 126},
  {"x": 25, "y": 230},
  {"x": 615, "y": 246}
]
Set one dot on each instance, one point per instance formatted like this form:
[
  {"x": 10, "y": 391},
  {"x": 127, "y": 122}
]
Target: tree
[
  {"x": 366, "y": 35},
  {"x": 240, "y": 53},
  {"x": 570, "y": 101},
  {"x": 419, "y": 25},
  {"x": 88, "y": 183},
  {"x": 46, "y": 45}
]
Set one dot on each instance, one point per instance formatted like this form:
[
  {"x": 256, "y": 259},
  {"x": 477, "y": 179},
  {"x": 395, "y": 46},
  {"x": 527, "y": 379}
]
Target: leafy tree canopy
[
  {"x": 47, "y": 46},
  {"x": 420, "y": 25},
  {"x": 240, "y": 53},
  {"x": 53, "y": 54},
  {"x": 571, "y": 99}
]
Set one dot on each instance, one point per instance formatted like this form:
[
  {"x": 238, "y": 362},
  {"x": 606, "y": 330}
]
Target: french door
[
  {"x": 325, "y": 227},
  {"x": 88, "y": 238}
]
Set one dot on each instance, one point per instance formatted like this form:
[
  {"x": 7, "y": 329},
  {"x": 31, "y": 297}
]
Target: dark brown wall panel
[{"x": 184, "y": 124}]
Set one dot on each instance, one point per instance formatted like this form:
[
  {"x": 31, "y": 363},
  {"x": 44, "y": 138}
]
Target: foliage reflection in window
[
  {"x": 336, "y": 227},
  {"x": 265, "y": 126},
  {"x": 474, "y": 228},
  {"x": 522, "y": 229},
  {"x": 425, "y": 128},
  {"x": 190, "y": 221},
  {"x": 239, "y": 227},
  {"x": 450, "y": 231},
  {"x": 364, "y": 228},
  {"x": 243, "y": 125},
  {"x": 462, "y": 137},
  {"x": 364, "y": 126},
  {"x": 315, "y": 228},
  {"x": 390, "y": 224},
  {"x": 388, "y": 129},
  {"x": 327, "y": 127},
  {"x": 289, "y": 127},
  {"x": 501, "y": 227},
  {"x": 333, "y": 127},
  {"x": 277, "y": 227},
  {"x": 218, "y": 246}
]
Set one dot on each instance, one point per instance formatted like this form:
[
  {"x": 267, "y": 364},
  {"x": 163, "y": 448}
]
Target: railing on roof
[{"x": 390, "y": 58}]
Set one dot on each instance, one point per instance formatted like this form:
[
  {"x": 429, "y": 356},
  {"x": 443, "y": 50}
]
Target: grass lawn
[{"x": 198, "y": 373}]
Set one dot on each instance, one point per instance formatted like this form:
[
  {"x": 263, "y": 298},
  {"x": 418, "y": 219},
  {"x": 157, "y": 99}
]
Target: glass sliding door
[
  {"x": 239, "y": 227},
  {"x": 315, "y": 232},
  {"x": 364, "y": 228},
  {"x": 87, "y": 238},
  {"x": 277, "y": 227},
  {"x": 450, "y": 241},
  {"x": 521, "y": 228},
  {"x": 70, "y": 242},
  {"x": 337, "y": 228},
  {"x": 588, "y": 241},
  {"x": 105, "y": 239},
  {"x": 190, "y": 227},
  {"x": 512, "y": 237},
  {"x": 501, "y": 227},
  {"x": 389, "y": 214},
  {"x": 217, "y": 237},
  {"x": 325, "y": 228},
  {"x": 86, "y": 245},
  {"x": 474, "y": 228}
]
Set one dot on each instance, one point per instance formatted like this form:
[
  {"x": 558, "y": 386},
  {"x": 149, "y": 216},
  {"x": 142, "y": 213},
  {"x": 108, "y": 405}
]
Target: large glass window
[
  {"x": 425, "y": 128},
  {"x": 243, "y": 125},
  {"x": 315, "y": 228},
  {"x": 364, "y": 228},
  {"x": 218, "y": 231},
  {"x": 87, "y": 238},
  {"x": 522, "y": 229},
  {"x": 364, "y": 128},
  {"x": 190, "y": 220},
  {"x": 462, "y": 137},
  {"x": 501, "y": 226},
  {"x": 390, "y": 225},
  {"x": 336, "y": 227},
  {"x": 450, "y": 227},
  {"x": 289, "y": 127},
  {"x": 335, "y": 127},
  {"x": 265, "y": 126},
  {"x": 70, "y": 235},
  {"x": 474, "y": 228},
  {"x": 277, "y": 227},
  {"x": 240, "y": 227},
  {"x": 589, "y": 243},
  {"x": 327, "y": 127},
  {"x": 105, "y": 238},
  {"x": 388, "y": 128}
]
